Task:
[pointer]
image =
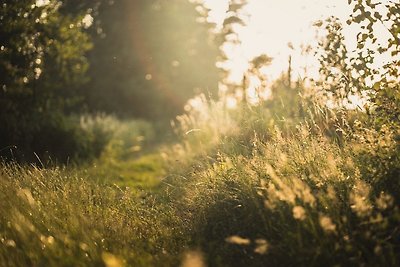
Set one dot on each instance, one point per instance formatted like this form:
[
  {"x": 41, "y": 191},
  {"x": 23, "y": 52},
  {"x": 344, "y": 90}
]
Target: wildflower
[{"x": 299, "y": 213}]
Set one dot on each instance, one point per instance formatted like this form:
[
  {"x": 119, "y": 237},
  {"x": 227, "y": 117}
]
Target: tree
[
  {"x": 42, "y": 54},
  {"x": 42, "y": 66},
  {"x": 337, "y": 77},
  {"x": 377, "y": 132},
  {"x": 385, "y": 90},
  {"x": 228, "y": 39},
  {"x": 345, "y": 75},
  {"x": 150, "y": 57}
]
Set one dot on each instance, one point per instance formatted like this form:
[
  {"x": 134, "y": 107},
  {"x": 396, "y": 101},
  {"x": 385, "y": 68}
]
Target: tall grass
[
  {"x": 321, "y": 190},
  {"x": 251, "y": 186},
  {"x": 52, "y": 217}
]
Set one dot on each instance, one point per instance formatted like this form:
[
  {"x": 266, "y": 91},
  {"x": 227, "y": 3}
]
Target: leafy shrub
[
  {"x": 130, "y": 138},
  {"x": 51, "y": 138}
]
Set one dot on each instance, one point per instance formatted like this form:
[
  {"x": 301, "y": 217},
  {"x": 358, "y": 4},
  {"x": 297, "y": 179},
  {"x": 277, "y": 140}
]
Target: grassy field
[
  {"x": 245, "y": 189},
  {"x": 301, "y": 169}
]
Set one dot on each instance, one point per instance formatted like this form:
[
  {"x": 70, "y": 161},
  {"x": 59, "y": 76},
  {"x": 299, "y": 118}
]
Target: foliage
[
  {"x": 150, "y": 57},
  {"x": 344, "y": 74},
  {"x": 292, "y": 194},
  {"x": 337, "y": 76},
  {"x": 42, "y": 56},
  {"x": 306, "y": 201},
  {"x": 55, "y": 138},
  {"x": 228, "y": 36},
  {"x": 385, "y": 96},
  {"x": 128, "y": 158},
  {"x": 381, "y": 84},
  {"x": 42, "y": 65}
]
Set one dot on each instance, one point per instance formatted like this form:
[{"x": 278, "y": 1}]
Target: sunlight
[{"x": 272, "y": 25}]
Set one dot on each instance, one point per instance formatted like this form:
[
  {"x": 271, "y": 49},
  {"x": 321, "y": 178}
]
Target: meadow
[
  {"x": 295, "y": 171},
  {"x": 249, "y": 188}
]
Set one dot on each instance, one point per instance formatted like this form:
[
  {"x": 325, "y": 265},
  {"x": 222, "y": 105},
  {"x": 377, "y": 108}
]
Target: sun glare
[{"x": 272, "y": 25}]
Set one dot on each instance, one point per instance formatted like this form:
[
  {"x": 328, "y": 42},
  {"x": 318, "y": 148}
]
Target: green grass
[
  {"x": 54, "y": 217},
  {"x": 322, "y": 189},
  {"x": 296, "y": 201},
  {"x": 143, "y": 173},
  {"x": 130, "y": 159}
]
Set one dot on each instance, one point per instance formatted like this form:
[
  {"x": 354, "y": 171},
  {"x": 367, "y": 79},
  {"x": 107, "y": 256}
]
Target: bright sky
[{"x": 272, "y": 24}]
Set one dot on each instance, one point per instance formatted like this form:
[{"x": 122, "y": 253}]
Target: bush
[{"x": 54, "y": 138}]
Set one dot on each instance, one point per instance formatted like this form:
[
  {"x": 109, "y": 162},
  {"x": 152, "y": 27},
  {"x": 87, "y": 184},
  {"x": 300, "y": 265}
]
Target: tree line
[{"x": 140, "y": 59}]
